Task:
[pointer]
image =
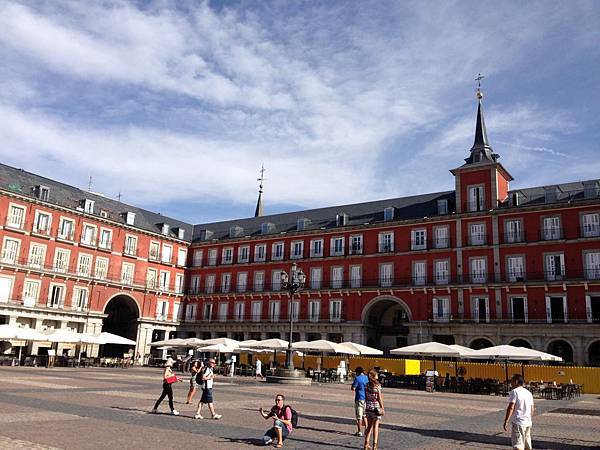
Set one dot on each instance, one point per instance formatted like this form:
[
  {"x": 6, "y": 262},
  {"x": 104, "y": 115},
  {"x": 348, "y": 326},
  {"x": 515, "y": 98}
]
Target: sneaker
[
  {"x": 174, "y": 412},
  {"x": 217, "y": 416},
  {"x": 359, "y": 434},
  {"x": 154, "y": 411},
  {"x": 198, "y": 416},
  {"x": 267, "y": 440}
]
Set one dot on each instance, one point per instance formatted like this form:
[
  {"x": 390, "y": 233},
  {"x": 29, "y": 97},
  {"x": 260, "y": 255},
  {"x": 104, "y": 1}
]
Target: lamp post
[{"x": 292, "y": 283}]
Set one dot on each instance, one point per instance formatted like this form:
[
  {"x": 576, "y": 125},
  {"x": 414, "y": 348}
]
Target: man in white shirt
[
  {"x": 520, "y": 410},
  {"x": 207, "y": 396}
]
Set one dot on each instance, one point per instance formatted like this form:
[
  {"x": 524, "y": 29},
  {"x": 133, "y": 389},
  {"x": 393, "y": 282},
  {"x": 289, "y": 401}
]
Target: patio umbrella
[
  {"x": 506, "y": 353},
  {"x": 225, "y": 341},
  {"x": 10, "y": 332},
  {"x": 193, "y": 342},
  {"x": 545, "y": 356},
  {"x": 269, "y": 344},
  {"x": 428, "y": 349},
  {"x": 110, "y": 338},
  {"x": 175, "y": 342},
  {"x": 361, "y": 349},
  {"x": 219, "y": 348},
  {"x": 464, "y": 351},
  {"x": 323, "y": 346},
  {"x": 70, "y": 337}
]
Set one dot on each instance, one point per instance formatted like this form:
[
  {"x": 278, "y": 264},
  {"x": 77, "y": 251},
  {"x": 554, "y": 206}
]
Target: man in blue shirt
[{"x": 358, "y": 386}]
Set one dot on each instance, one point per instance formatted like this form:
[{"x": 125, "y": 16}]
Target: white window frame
[
  {"x": 551, "y": 228},
  {"x": 314, "y": 310},
  {"x": 179, "y": 280},
  {"x": 191, "y": 311},
  {"x": 475, "y": 308},
  {"x": 11, "y": 255},
  {"x": 81, "y": 267},
  {"x": 418, "y": 239},
  {"x": 549, "y": 307},
  {"x": 212, "y": 257},
  {"x": 258, "y": 249},
  {"x": 43, "y": 230},
  {"x": 419, "y": 273},
  {"x": 88, "y": 237},
  {"x": 209, "y": 283},
  {"x": 337, "y": 246},
  {"x": 181, "y": 257},
  {"x": 68, "y": 235},
  {"x": 386, "y": 274},
  {"x": 314, "y": 252},
  {"x": 316, "y": 277},
  {"x": 385, "y": 242},
  {"x": 515, "y": 268},
  {"x": 442, "y": 271},
  {"x": 31, "y": 292},
  {"x": 197, "y": 258},
  {"x": 335, "y": 311},
  {"x": 276, "y": 280},
  {"x": 37, "y": 255},
  {"x": 277, "y": 251},
  {"x": 590, "y": 224},
  {"x": 166, "y": 254},
  {"x": 243, "y": 254},
  {"x": 127, "y": 273},
  {"x": 513, "y": 229},
  {"x": 238, "y": 311},
  {"x": 476, "y": 198},
  {"x": 227, "y": 255},
  {"x": 296, "y": 249},
  {"x": 225, "y": 282},
  {"x": 356, "y": 244},
  {"x": 195, "y": 284},
  {"x": 258, "y": 283},
  {"x": 164, "y": 280},
  {"x": 591, "y": 264},
  {"x": 130, "y": 247},
  {"x": 552, "y": 274},
  {"x": 525, "y": 308},
  {"x": 242, "y": 281},
  {"x": 103, "y": 243},
  {"x": 355, "y": 276},
  {"x": 151, "y": 277},
  {"x": 223, "y": 311},
  {"x": 61, "y": 300},
  {"x": 477, "y": 233},
  {"x": 337, "y": 277},
  {"x": 80, "y": 298},
  {"x": 441, "y": 237},
  {"x": 57, "y": 262},
  {"x": 274, "y": 310},
  {"x": 478, "y": 269},
  {"x": 256, "y": 311},
  {"x": 154, "y": 251},
  {"x": 207, "y": 310},
  {"x": 16, "y": 219},
  {"x": 445, "y": 316}
]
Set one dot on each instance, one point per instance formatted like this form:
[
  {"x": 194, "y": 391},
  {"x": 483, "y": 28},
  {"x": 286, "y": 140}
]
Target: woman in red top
[{"x": 282, "y": 422}]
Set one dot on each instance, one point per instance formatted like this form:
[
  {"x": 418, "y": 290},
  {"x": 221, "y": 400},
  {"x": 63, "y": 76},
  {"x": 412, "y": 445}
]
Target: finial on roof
[
  {"x": 478, "y": 92},
  {"x": 259, "y": 212}
]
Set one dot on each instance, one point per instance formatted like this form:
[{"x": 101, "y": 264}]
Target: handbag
[{"x": 172, "y": 379}]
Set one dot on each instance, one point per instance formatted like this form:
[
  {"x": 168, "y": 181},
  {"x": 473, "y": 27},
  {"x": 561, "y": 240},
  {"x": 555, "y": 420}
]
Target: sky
[{"x": 176, "y": 105}]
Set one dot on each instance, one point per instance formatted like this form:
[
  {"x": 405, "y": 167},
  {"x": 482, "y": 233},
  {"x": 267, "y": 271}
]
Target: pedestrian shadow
[
  {"x": 256, "y": 442},
  {"x": 291, "y": 441}
]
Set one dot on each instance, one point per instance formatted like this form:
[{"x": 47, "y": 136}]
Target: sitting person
[{"x": 282, "y": 422}]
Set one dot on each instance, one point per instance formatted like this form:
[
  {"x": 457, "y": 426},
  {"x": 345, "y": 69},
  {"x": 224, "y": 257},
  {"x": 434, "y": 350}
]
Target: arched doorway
[
  {"x": 385, "y": 319},
  {"x": 122, "y": 319},
  {"x": 520, "y": 343},
  {"x": 561, "y": 348},
  {"x": 594, "y": 354},
  {"x": 480, "y": 343}
]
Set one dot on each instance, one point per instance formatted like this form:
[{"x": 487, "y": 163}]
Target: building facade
[{"x": 479, "y": 265}]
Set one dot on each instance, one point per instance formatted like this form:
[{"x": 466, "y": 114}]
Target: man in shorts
[
  {"x": 207, "y": 396},
  {"x": 520, "y": 409},
  {"x": 358, "y": 386}
]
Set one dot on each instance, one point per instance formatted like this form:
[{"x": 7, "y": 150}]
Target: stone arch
[
  {"x": 521, "y": 342},
  {"x": 385, "y": 320},
  {"x": 593, "y": 353},
  {"x": 562, "y": 348},
  {"x": 384, "y": 298},
  {"x": 481, "y": 342},
  {"x": 122, "y": 315}
]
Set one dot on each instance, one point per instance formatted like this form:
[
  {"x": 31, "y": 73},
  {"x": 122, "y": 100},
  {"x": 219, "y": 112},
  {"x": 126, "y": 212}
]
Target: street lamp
[{"x": 292, "y": 283}]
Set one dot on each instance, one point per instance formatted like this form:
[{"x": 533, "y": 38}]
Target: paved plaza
[{"x": 109, "y": 408}]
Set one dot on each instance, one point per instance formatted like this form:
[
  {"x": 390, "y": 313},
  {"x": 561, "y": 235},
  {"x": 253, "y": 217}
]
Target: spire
[
  {"x": 259, "y": 204},
  {"x": 481, "y": 150}
]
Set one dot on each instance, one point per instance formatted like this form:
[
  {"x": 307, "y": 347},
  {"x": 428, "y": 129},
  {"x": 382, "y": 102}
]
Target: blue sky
[{"x": 176, "y": 105}]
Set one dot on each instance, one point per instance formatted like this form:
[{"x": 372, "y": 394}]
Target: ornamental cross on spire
[
  {"x": 478, "y": 91},
  {"x": 262, "y": 177}
]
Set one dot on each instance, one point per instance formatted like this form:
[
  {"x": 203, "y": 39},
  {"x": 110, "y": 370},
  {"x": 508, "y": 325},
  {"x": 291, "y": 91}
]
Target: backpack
[
  {"x": 199, "y": 376},
  {"x": 294, "y": 416}
]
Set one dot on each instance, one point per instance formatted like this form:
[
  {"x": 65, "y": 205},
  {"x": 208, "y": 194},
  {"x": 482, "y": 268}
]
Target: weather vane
[
  {"x": 478, "y": 91},
  {"x": 262, "y": 177}
]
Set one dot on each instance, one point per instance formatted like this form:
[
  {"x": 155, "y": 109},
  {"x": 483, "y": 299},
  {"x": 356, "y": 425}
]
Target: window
[
  {"x": 6, "y": 285},
  {"x": 42, "y": 223},
  {"x": 195, "y": 284},
  {"x": 478, "y": 270},
  {"x": 442, "y": 272},
  {"x": 297, "y": 250},
  {"x": 591, "y": 225},
  {"x": 162, "y": 309},
  {"x": 341, "y": 220},
  {"x": 176, "y": 312},
  {"x": 515, "y": 268},
  {"x": 316, "y": 248},
  {"x": 388, "y": 214},
  {"x": 179, "y": 283},
  {"x": 440, "y": 237},
  {"x": 418, "y": 239},
  {"x": 37, "y": 256},
  {"x": 31, "y": 292},
  {"x": 386, "y": 275},
  {"x": 238, "y": 312},
  {"x": 88, "y": 234},
  {"x": 190, "y": 311},
  {"x": 10, "y": 250},
  {"x": 207, "y": 311},
  {"x": 355, "y": 276},
  {"x": 61, "y": 260},
  {"x": 277, "y": 251},
  {"x": 88, "y": 206},
  {"x": 165, "y": 229},
  {"x": 267, "y": 227},
  {"x": 480, "y": 310},
  {"x": 243, "y": 254},
  {"x": 315, "y": 277},
  {"x": 130, "y": 245},
  {"x": 301, "y": 224},
  {"x": 337, "y": 246},
  {"x": 227, "y": 255},
  {"x": 56, "y": 295},
  {"x": 441, "y": 309},
  {"x": 256, "y": 311},
  {"x": 197, "y": 258},
  {"x": 276, "y": 280},
  {"x": 242, "y": 281},
  {"x": 419, "y": 273},
  {"x": 223, "y": 311},
  {"x": 518, "y": 309},
  {"x": 476, "y": 200},
  {"x": 514, "y": 231},
  {"x": 105, "y": 239},
  {"x": 167, "y": 254},
  {"x": 181, "y": 257},
  {"x": 592, "y": 266},
  {"x": 314, "y": 310},
  {"x": 80, "y": 296},
  {"x": 225, "y": 282},
  {"x": 386, "y": 242},
  {"x": 66, "y": 229},
  {"x": 295, "y": 310},
  {"x": 164, "y": 280},
  {"x": 555, "y": 266},
  {"x": 260, "y": 252},
  {"x": 335, "y": 310},
  {"x": 477, "y": 234},
  {"x": 356, "y": 247},
  {"x": 212, "y": 257},
  {"x": 442, "y": 206},
  {"x": 42, "y": 192},
  {"x": 84, "y": 265},
  {"x": 274, "y": 310},
  {"x": 337, "y": 277},
  {"x": 16, "y": 217},
  {"x": 154, "y": 251},
  {"x": 259, "y": 281},
  {"x": 551, "y": 228},
  {"x": 129, "y": 218},
  {"x": 210, "y": 283},
  {"x": 556, "y": 309},
  {"x": 151, "y": 275}
]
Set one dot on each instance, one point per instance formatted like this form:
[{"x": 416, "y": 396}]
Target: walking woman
[
  {"x": 195, "y": 369},
  {"x": 373, "y": 409},
  {"x": 168, "y": 379}
]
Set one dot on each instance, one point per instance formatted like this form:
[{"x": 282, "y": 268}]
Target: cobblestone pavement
[{"x": 109, "y": 408}]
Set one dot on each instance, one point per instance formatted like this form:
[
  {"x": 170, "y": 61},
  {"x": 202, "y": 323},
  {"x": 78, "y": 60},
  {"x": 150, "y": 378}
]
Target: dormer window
[
  {"x": 236, "y": 231},
  {"x": 515, "y": 199},
  {"x": 129, "y": 217},
  {"x": 590, "y": 189},
  {"x": 42, "y": 192},
  {"x": 442, "y": 206},
  {"x": 550, "y": 194},
  {"x": 388, "y": 214},
  {"x": 180, "y": 233},
  {"x": 88, "y": 206},
  {"x": 341, "y": 220},
  {"x": 104, "y": 213},
  {"x": 165, "y": 229},
  {"x": 302, "y": 224},
  {"x": 206, "y": 235},
  {"x": 267, "y": 227}
]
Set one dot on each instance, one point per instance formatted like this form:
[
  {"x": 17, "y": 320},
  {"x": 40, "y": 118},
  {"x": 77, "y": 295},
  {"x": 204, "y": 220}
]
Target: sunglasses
[{"x": 278, "y": 399}]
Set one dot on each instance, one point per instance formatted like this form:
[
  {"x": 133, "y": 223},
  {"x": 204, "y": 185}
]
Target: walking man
[
  {"x": 358, "y": 386},
  {"x": 520, "y": 409},
  {"x": 207, "y": 396}
]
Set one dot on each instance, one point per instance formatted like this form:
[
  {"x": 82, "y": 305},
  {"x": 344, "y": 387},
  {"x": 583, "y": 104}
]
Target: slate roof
[
  {"x": 24, "y": 183},
  {"x": 564, "y": 193}
]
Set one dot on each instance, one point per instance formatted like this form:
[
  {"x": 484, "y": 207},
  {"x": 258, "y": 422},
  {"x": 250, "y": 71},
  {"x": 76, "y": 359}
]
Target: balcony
[
  {"x": 385, "y": 248},
  {"x": 66, "y": 235},
  {"x": 15, "y": 221},
  {"x": 41, "y": 231},
  {"x": 477, "y": 239},
  {"x": 131, "y": 251},
  {"x": 531, "y": 317},
  {"x": 551, "y": 234},
  {"x": 513, "y": 237},
  {"x": 590, "y": 231},
  {"x": 105, "y": 245},
  {"x": 474, "y": 206},
  {"x": 282, "y": 319},
  {"x": 355, "y": 251}
]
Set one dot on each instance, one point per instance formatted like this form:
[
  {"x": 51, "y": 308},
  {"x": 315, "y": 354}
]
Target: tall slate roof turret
[
  {"x": 481, "y": 152},
  {"x": 259, "y": 212}
]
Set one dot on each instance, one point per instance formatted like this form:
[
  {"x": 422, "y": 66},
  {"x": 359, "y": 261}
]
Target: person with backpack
[
  {"x": 195, "y": 369},
  {"x": 284, "y": 420},
  {"x": 207, "y": 396},
  {"x": 373, "y": 409}
]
